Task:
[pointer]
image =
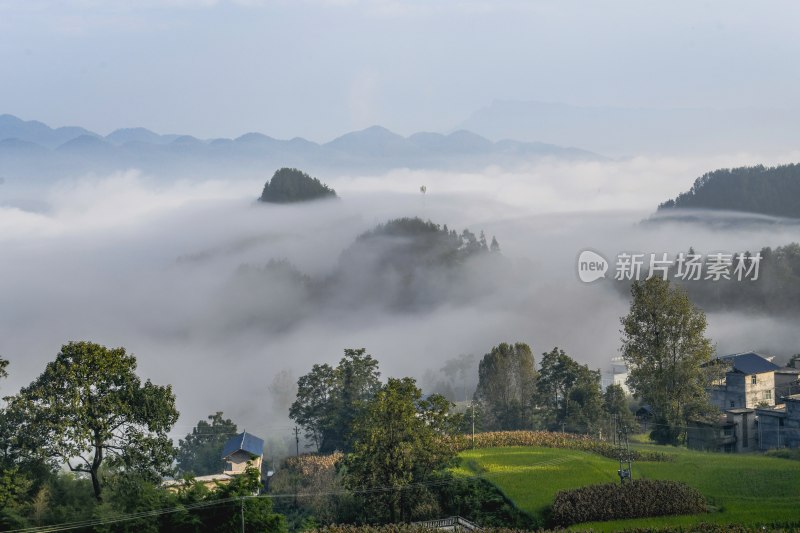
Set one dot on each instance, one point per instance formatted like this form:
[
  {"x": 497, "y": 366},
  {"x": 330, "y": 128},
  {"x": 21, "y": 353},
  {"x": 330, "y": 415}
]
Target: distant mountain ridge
[
  {"x": 33, "y": 150},
  {"x": 375, "y": 140}
]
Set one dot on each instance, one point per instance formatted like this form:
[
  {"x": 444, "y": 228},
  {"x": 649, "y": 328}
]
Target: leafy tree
[
  {"x": 200, "y": 452},
  {"x": 569, "y": 393},
  {"x": 3, "y": 365},
  {"x": 506, "y": 386},
  {"x": 89, "y": 408},
  {"x": 398, "y": 442},
  {"x": 329, "y": 399},
  {"x": 313, "y": 408},
  {"x": 615, "y": 404},
  {"x": 584, "y": 407},
  {"x": 664, "y": 345},
  {"x": 292, "y": 185}
]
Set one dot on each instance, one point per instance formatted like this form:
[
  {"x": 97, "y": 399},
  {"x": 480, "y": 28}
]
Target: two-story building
[{"x": 744, "y": 380}]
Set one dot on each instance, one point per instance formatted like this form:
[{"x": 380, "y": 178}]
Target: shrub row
[
  {"x": 549, "y": 439},
  {"x": 639, "y": 498}
]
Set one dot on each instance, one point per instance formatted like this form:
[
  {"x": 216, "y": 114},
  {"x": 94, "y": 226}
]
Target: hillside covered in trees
[
  {"x": 764, "y": 190},
  {"x": 403, "y": 265},
  {"x": 292, "y": 185}
]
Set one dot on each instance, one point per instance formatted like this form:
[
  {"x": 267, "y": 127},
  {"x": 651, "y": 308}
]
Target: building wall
[
  {"x": 236, "y": 463},
  {"x": 740, "y": 391},
  {"x": 792, "y": 423},
  {"x": 745, "y": 430},
  {"x": 770, "y": 430},
  {"x": 710, "y": 437},
  {"x": 719, "y": 397}
]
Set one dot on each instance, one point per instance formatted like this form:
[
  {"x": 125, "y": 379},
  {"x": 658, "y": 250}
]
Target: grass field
[{"x": 743, "y": 489}]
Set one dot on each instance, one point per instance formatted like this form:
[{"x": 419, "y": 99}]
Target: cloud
[{"x": 152, "y": 265}]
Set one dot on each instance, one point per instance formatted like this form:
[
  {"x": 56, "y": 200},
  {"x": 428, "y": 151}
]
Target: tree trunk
[{"x": 95, "y": 471}]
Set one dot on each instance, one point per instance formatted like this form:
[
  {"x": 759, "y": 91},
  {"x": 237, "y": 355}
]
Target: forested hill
[{"x": 764, "y": 190}]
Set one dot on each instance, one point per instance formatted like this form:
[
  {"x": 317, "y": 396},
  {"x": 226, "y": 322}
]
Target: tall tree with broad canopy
[
  {"x": 570, "y": 396},
  {"x": 329, "y": 399},
  {"x": 399, "y": 440},
  {"x": 89, "y": 409},
  {"x": 506, "y": 386},
  {"x": 664, "y": 345},
  {"x": 200, "y": 452}
]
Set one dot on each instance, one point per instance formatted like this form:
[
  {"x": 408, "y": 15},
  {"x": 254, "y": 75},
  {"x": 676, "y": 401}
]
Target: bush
[
  {"x": 548, "y": 439},
  {"x": 639, "y": 498}
]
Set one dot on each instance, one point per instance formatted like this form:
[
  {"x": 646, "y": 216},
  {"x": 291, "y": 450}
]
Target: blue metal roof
[
  {"x": 750, "y": 363},
  {"x": 243, "y": 441}
]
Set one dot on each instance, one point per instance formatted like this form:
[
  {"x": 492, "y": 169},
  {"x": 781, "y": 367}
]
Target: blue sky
[{"x": 317, "y": 68}]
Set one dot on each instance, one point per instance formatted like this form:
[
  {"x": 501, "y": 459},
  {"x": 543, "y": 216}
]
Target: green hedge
[{"x": 639, "y": 498}]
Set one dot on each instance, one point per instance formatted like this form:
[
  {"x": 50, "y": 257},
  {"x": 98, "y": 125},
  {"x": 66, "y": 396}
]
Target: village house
[
  {"x": 745, "y": 380},
  {"x": 759, "y": 404},
  {"x": 238, "y": 451}
]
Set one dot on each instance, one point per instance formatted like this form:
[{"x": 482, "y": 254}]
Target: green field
[{"x": 742, "y": 489}]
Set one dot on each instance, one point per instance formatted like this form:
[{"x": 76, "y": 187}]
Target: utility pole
[
  {"x": 473, "y": 424},
  {"x": 623, "y": 449},
  {"x": 297, "y": 440},
  {"x": 242, "y": 514}
]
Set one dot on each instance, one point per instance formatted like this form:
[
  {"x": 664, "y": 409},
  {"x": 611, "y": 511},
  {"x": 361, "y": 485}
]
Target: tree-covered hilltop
[
  {"x": 759, "y": 189},
  {"x": 292, "y": 185},
  {"x": 427, "y": 242},
  {"x": 405, "y": 264},
  {"x": 409, "y": 264}
]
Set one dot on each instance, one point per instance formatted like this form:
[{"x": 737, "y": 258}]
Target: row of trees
[
  {"x": 561, "y": 395},
  {"x": 664, "y": 345}
]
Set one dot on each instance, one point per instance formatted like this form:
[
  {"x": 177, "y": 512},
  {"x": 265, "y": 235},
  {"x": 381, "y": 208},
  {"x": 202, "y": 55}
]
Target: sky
[{"x": 320, "y": 68}]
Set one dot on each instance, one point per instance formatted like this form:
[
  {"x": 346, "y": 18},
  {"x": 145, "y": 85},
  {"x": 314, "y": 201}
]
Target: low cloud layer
[{"x": 129, "y": 261}]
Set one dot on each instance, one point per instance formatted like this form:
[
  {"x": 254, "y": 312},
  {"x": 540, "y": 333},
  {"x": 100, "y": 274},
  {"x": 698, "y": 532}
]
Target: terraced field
[{"x": 742, "y": 489}]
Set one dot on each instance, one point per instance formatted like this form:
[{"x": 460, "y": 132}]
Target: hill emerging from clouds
[{"x": 772, "y": 191}]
